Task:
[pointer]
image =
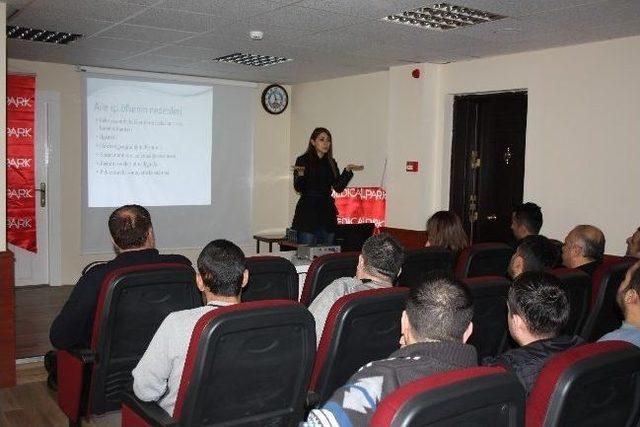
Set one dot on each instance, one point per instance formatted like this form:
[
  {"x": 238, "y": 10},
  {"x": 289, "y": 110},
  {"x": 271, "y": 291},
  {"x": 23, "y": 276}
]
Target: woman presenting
[{"x": 314, "y": 174}]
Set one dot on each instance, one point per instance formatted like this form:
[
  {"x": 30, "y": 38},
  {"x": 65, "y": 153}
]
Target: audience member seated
[
  {"x": 534, "y": 253},
  {"x": 633, "y": 245},
  {"x": 435, "y": 327},
  {"x": 378, "y": 266},
  {"x": 526, "y": 220},
  {"x": 134, "y": 243},
  {"x": 222, "y": 274},
  {"x": 583, "y": 248},
  {"x": 538, "y": 310},
  {"x": 444, "y": 229},
  {"x": 628, "y": 299}
]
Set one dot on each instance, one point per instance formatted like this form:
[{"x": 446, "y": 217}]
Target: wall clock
[{"x": 275, "y": 99}]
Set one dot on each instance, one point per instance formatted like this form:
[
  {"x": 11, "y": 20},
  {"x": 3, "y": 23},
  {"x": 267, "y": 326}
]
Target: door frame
[{"x": 447, "y": 154}]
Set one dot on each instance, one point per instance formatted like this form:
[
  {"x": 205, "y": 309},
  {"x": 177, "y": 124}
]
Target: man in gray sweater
[
  {"x": 378, "y": 266},
  {"x": 435, "y": 327},
  {"x": 222, "y": 273}
]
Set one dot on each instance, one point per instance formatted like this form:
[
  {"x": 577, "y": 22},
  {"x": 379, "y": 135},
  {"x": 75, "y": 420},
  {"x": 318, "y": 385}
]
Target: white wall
[
  {"x": 582, "y": 131},
  {"x": 270, "y": 166}
]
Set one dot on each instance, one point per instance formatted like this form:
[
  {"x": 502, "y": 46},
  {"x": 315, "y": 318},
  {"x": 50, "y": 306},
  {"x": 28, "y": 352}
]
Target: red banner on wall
[
  {"x": 21, "y": 207},
  {"x": 357, "y": 205}
]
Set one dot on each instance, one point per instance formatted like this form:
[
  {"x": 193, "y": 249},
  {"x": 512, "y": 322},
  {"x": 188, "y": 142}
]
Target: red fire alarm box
[{"x": 412, "y": 167}]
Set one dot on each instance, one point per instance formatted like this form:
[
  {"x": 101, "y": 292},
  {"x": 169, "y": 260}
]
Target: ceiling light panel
[
  {"x": 442, "y": 16},
  {"x": 36, "y": 35},
  {"x": 252, "y": 60}
]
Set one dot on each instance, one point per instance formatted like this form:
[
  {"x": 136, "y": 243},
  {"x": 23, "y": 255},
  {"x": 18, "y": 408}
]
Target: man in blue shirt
[{"x": 628, "y": 299}]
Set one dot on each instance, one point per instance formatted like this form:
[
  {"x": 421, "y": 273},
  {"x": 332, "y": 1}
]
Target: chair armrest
[
  {"x": 313, "y": 399},
  {"x": 136, "y": 413},
  {"x": 74, "y": 373}
]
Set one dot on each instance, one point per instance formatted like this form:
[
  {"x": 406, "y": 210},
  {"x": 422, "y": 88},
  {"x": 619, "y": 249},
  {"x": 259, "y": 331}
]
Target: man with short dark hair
[
  {"x": 222, "y": 273},
  {"x": 538, "y": 311},
  {"x": 628, "y": 298},
  {"x": 378, "y": 266},
  {"x": 526, "y": 220},
  {"x": 435, "y": 327},
  {"x": 134, "y": 243},
  {"x": 633, "y": 245},
  {"x": 583, "y": 248},
  {"x": 534, "y": 253}
]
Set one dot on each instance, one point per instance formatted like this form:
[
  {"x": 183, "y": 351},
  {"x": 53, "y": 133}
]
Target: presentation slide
[{"x": 148, "y": 143}]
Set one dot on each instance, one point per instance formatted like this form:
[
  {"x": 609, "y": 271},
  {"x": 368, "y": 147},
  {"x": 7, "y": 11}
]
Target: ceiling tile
[
  {"x": 86, "y": 27},
  {"x": 103, "y": 10},
  {"x": 128, "y": 47},
  {"x": 223, "y": 8},
  {"x": 149, "y": 34},
  {"x": 305, "y": 19},
  {"x": 175, "y": 20}
]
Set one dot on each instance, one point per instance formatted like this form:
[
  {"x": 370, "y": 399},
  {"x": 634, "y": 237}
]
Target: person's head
[
  {"x": 534, "y": 253},
  {"x": 222, "y": 269},
  {"x": 131, "y": 229},
  {"x": 526, "y": 219},
  {"x": 584, "y": 244},
  {"x": 628, "y": 296},
  {"x": 439, "y": 309},
  {"x": 633, "y": 244},
  {"x": 320, "y": 142},
  {"x": 538, "y": 307},
  {"x": 444, "y": 228},
  {"x": 382, "y": 257}
]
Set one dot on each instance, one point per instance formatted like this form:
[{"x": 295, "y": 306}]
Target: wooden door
[{"x": 487, "y": 162}]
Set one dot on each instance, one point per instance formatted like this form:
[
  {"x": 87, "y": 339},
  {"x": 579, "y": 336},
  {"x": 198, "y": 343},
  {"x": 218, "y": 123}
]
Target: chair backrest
[
  {"x": 484, "y": 259},
  {"x": 590, "y": 385},
  {"x": 577, "y": 286},
  {"x": 361, "y": 327},
  {"x": 324, "y": 270},
  {"x": 479, "y": 396},
  {"x": 419, "y": 262},
  {"x": 132, "y": 303},
  {"x": 248, "y": 364},
  {"x": 270, "y": 277},
  {"x": 410, "y": 239},
  {"x": 490, "y": 329},
  {"x": 351, "y": 237},
  {"x": 605, "y": 315}
]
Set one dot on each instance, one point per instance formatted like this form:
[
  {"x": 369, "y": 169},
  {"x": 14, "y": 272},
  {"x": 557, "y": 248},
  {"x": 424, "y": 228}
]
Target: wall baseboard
[{"x": 7, "y": 321}]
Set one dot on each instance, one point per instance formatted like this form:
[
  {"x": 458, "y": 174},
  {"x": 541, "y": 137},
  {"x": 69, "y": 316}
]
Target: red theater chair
[
  {"x": 361, "y": 327},
  {"x": 410, "y": 239},
  {"x": 484, "y": 259},
  {"x": 605, "y": 315},
  {"x": 419, "y": 262},
  {"x": 324, "y": 270},
  {"x": 487, "y": 397},
  {"x": 133, "y": 302},
  {"x": 590, "y": 385},
  {"x": 490, "y": 330},
  {"x": 270, "y": 277},
  {"x": 247, "y": 364},
  {"x": 577, "y": 286}
]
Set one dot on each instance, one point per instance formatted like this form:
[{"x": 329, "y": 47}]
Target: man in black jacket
[
  {"x": 435, "y": 326},
  {"x": 583, "y": 248},
  {"x": 538, "y": 310},
  {"x": 134, "y": 243}
]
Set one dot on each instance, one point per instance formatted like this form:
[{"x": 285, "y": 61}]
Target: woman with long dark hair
[
  {"x": 315, "y": 173},
  {"x": 444, "y": 229}
]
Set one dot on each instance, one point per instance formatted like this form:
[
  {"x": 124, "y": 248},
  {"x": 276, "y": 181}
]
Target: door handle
[
  {"x": 43, "y": 194},
  {"x": 492, "y": 217}
]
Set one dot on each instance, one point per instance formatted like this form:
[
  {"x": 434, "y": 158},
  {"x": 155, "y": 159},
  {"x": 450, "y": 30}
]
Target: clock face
[{"x": 275, "y": 99}]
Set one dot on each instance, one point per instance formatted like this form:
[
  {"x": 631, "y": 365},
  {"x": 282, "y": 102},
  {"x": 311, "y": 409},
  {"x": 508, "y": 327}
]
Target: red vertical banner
[
  {"x": 357, "y": 205},
  {"x": 21, "y": 207}
]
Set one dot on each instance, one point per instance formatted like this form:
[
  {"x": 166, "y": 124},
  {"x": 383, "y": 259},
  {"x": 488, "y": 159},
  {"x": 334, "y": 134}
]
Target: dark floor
[{"x": 36, "y": 307}]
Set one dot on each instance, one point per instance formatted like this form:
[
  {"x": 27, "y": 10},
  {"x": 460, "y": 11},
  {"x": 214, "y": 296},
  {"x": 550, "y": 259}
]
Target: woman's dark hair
[
  {"x": 444, "y": 229},
  {"x": 311, "y": 150}
]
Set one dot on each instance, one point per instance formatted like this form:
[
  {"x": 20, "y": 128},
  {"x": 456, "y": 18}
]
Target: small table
[{"x": 267, "y": 238}]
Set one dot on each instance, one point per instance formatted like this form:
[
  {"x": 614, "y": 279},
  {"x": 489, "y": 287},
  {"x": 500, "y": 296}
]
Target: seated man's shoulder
[{"x": 175, "y": 258}]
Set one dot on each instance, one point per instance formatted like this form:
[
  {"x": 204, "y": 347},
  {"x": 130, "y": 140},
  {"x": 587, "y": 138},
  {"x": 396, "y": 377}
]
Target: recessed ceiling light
[
  {"x": 442, "y": 16},
  {"x": 36, "y": 35},
  {"x": 250, "y": 59}
]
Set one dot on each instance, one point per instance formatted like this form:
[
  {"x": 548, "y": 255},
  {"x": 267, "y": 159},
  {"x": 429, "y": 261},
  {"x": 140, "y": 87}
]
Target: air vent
[
  {"x": 442, "y": 16},
  {"x": 36, "y": 35},
  {"x": 250, "y": 59}
]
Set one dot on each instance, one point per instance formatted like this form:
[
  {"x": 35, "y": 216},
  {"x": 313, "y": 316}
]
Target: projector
[{"x": 312, "y": 252}]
